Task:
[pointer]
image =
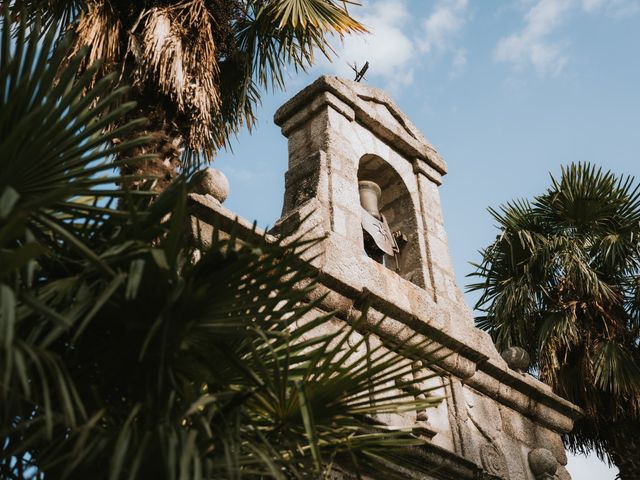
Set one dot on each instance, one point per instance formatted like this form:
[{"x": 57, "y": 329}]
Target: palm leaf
[{"x": 561, "y": 281}]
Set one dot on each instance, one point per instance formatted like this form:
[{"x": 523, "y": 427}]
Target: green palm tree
[
  {"x": 120, "y": 356},
  {"x": 196, "y": 66},
  {"x": 562, "y": 281}
]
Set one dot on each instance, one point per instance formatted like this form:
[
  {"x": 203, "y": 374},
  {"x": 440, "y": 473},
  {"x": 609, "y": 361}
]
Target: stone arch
[{"x": 397, "y": 205}]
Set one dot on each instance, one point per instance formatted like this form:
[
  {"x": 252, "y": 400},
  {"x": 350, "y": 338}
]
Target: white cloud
[
  {"x": 458, "y": 62},
  {"x": 388, "y": 48},
  {"x": 533, "y": 44},
  {"x": 399, "y": 40},
  {"x": 618, "y": 8},
  {"x": 443, "y": 24},
  {"x": 591, "y": 5}
]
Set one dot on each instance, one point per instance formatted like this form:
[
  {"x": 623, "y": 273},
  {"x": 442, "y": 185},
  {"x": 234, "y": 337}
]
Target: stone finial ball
[
  {"x": 542, "y": 462},
  {"x": 214, "y": 183},
  {"x": 517, "y": 358}
]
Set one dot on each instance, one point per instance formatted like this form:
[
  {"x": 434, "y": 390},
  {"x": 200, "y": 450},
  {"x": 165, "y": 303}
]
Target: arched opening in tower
[{"x": 396, "y": 209}]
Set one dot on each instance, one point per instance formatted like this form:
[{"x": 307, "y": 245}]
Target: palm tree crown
[
  {"x": 197, "y": 66},
  {"x": 562, "y": 280}
]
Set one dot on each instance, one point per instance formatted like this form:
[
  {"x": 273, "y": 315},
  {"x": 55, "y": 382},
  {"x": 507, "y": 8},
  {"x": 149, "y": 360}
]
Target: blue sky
[{"x": 507, "y": 91}]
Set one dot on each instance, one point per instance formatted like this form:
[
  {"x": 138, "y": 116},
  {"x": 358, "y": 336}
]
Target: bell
[
  {"x": 378, "y": 237},
  {"x": 370, "y": 197}
]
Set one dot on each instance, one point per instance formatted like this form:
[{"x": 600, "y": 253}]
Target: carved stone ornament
[
  {"x": 493, "y": 461},
  {"x": 517, "y": 358},
  {"x": 543, "y": 464},
  {"x": 214, "y": 183}
]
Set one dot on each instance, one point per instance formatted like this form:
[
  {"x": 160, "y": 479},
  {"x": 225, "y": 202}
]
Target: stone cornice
[
  {"x": 473, "y": 359},
  {"x": 358, "y": 102},
  {"x": 468, "y": 358}
]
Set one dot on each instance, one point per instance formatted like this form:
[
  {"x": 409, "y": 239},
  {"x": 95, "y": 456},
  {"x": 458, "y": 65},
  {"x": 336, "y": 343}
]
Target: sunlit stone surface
[{"x": 494, "y": 419}]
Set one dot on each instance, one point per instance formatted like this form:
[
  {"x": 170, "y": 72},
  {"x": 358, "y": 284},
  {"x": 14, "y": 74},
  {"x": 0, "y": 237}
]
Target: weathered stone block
[
  {"x": 344, "y": 193},
  {"x": 518, "y": 426},
  {"x": 553, "y": 441}
]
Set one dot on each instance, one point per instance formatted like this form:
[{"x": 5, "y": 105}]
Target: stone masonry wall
[{"x": 496, "y": 423}]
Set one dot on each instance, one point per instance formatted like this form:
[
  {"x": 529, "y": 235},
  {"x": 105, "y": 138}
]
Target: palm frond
[{"x": 561, "y": 281}]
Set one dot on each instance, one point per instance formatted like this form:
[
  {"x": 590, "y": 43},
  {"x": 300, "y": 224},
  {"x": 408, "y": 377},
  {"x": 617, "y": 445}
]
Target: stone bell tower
[
  {"x": 344, "y": 137},
  {"x": 342, "y": 133}
]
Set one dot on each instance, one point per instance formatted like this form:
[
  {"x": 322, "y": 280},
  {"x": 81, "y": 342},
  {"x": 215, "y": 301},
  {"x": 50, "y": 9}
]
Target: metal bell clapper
[{"x": 378, "y": 239}]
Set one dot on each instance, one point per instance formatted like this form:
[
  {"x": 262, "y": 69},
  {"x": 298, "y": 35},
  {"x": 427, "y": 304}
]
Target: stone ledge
[
  {"x": 427, "y": 462},
  {"x": 420, "y": 166},
  {"x": 209, "y": 211},
  {"x": 354, "y": 100},
  {"x": 303, "y": 115},
  {"x": 488, "y": 374}
]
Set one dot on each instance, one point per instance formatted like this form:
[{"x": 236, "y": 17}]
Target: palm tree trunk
[
  {"x": 628, "y": 466},
  {"x": 624, "y": 450},
  {"x": 166, "y": 143}
]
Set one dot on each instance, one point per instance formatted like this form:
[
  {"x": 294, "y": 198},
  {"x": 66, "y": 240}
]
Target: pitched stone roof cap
[{"x": 375, "y": 110}]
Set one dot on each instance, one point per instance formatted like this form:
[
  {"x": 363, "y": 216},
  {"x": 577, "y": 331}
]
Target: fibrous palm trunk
[
  {"x": 166, "y": 144},
  {"x": 625, "y": 453}
]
